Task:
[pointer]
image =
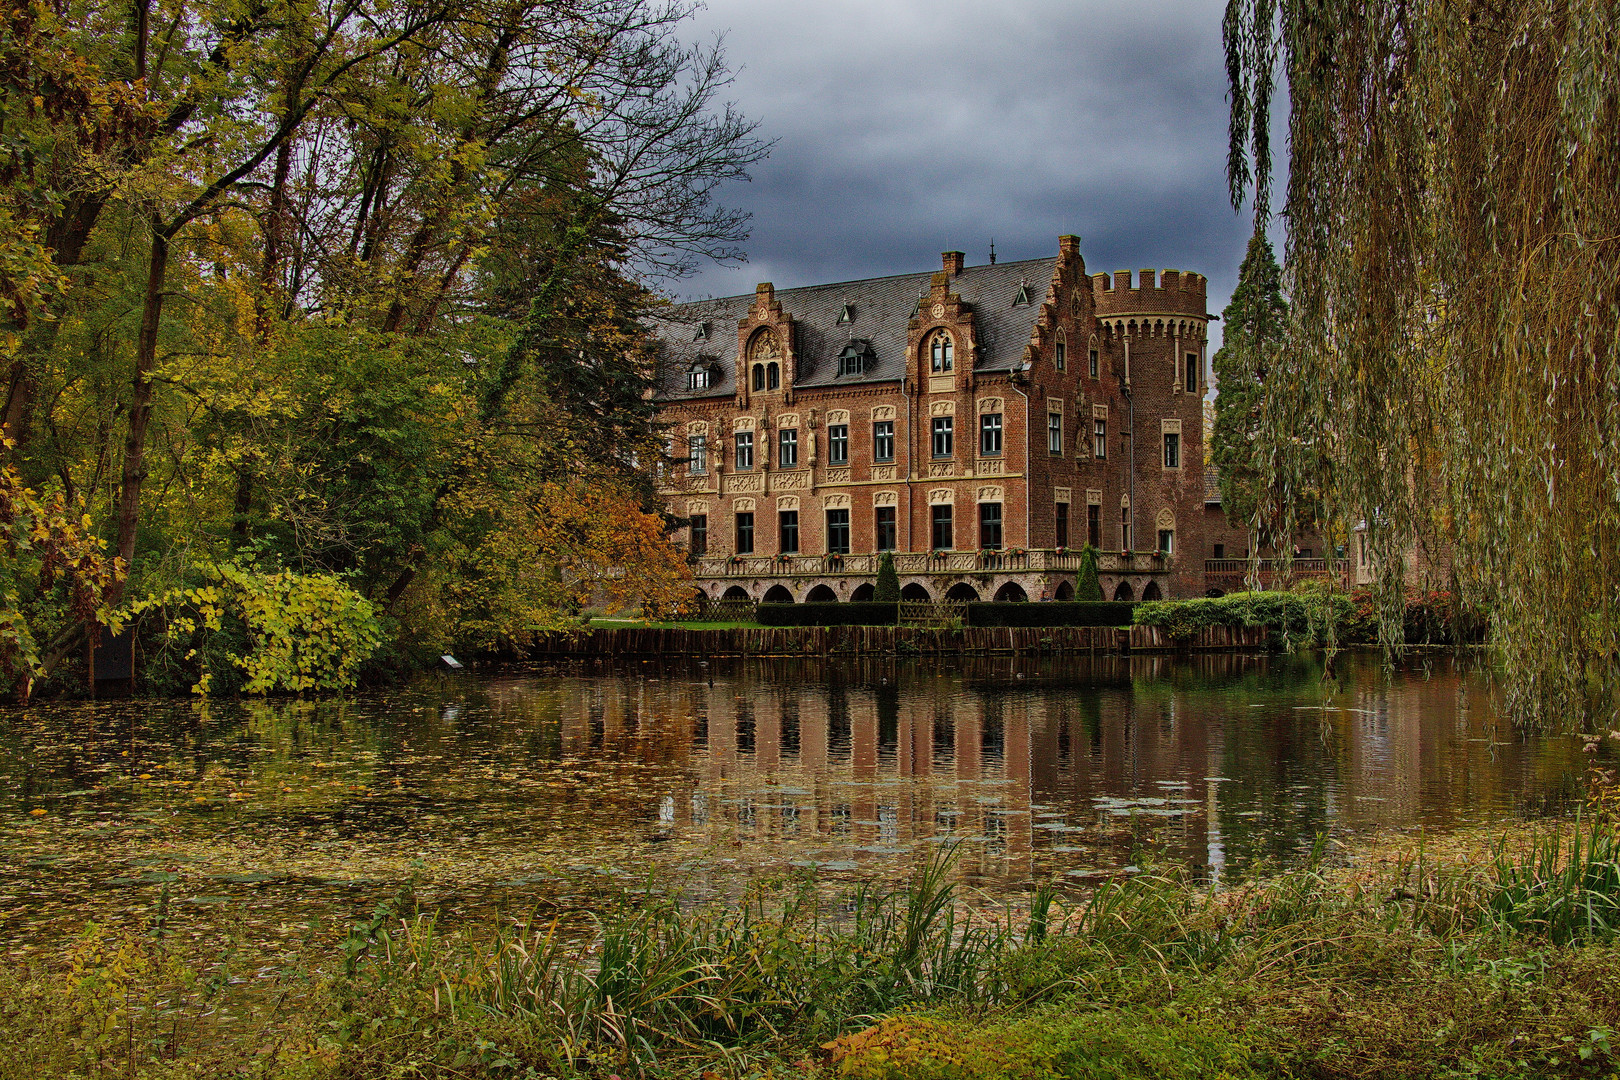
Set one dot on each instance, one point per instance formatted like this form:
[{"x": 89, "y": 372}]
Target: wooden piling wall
[{"x": 889, "y": 641}]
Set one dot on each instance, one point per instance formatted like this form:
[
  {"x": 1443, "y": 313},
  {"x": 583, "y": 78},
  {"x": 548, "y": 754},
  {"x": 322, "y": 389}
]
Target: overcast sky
[{"x": 905, "y": 128}]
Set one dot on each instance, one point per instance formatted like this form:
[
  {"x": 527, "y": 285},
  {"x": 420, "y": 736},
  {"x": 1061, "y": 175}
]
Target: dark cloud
[{"x": 905, "y": 128}]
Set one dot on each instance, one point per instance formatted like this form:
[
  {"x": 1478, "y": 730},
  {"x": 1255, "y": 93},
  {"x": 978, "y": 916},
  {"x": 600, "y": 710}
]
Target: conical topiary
[
  {"x": 888, "y": 582},
  {"x": 1087, "y": 588}
]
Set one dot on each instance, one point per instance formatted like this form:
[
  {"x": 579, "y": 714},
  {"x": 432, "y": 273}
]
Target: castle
[{"x": 983, "y": 423}]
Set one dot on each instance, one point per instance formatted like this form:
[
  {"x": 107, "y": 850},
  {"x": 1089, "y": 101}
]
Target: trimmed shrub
[
  {"x": 1057, "y": 613},
  {"x": 853, "y": 614},
  {"x": 888, "y": 582},
  {"x": 1086, "y": 586}
]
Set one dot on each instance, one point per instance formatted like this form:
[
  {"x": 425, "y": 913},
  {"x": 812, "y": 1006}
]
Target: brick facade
[{"x": 825, "y": 367}]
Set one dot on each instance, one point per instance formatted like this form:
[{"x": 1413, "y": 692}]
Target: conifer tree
[
  {"x": 1254, "y": 323},
  {"x": 1087, "y": 587},
  {"x": 888, "y": 582}
]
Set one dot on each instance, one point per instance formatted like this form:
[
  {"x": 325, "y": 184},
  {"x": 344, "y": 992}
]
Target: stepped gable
[{"x": 881, "y": 310}]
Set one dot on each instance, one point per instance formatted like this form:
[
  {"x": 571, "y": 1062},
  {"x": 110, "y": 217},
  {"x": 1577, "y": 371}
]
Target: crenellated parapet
[{"x": 1166, "y": 299}]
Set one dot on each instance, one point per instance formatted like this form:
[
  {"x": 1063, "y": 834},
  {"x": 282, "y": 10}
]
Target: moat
[{"x": 543, "y": 790}]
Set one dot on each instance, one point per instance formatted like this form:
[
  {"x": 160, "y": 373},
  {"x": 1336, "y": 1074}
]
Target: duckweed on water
[{"x": 1505, "y": 967}]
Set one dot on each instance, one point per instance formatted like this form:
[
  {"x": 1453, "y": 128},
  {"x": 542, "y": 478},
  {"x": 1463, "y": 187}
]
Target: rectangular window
[
  {"x": 745, "y": 534},
  {"x": 1191, "y": 381},
  {"x": 943, "y": 445},
  {"x": 788, "y": 532},
  {"x": 1172, "y": 450},
  {"x": 1093, "y": 363},
  {"x": 990, "y": 434},
  {"x": 1167, "y": 540},
  {"x": 787, "y": 454},
  {"x": 1054, "y": 433},
  {"x": 942, "y": 528},
  {"x": 838, "y": 444},
  {"x": 697, "y": 455},
  {"x": 838, "y": 532},
  {"x": 1220, "y": 551},
  {"x": 1099, "y": 437},
  {"x": 700, "y": 534},
  {"x": 1061, "y": 356},
  {"x": 745, "y": 449},
  {"x": 1124, "y": 528},
  {"x": 989, "y": 525},
  {"x": 1094, "y": 525},
  {"x": 887, "y": 534},
  {"x": 1062, "y": 525},
  {"x": 883, "y": 440}
]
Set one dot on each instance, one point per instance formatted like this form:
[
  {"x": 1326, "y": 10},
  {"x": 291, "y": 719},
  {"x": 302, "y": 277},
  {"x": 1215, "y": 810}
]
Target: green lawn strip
[{"x": 638, "y": 624}]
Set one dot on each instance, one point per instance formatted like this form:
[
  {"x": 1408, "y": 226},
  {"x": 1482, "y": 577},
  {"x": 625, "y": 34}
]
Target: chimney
[{"x": 953, "y": 262}]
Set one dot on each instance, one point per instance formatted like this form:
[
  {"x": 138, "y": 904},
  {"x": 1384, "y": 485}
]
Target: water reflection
[{"x": 537, "y": 787}]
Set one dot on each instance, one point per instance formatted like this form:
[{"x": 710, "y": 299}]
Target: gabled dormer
[
  {"x": 940, "y": 340},
  {"x": 765, "y": 358}
]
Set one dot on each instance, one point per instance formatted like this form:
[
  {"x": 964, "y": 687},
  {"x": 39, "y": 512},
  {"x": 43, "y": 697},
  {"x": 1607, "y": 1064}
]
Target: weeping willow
[{"x": 1452, "y": 210}]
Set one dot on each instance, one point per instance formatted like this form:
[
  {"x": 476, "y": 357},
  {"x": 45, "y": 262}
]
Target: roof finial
[{"x": 992, "y": 251}]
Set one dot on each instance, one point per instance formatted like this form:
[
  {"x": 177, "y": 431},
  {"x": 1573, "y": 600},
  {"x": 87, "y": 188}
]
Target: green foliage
[
  {"x": 1255, "y": 323},
  {"x": 1453, "y": 240},
  {"x": 1294, "y": 619},
  {"x": 244, "y": 630},
  {"x": 1086, "y": 587},
  {"x": 887, "y": 590}
]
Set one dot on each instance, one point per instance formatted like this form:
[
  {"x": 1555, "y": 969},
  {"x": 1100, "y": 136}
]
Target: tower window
[
  {"x": 1060, "y": 355},
  {"x": 773, "y": 376},
  {"x": 1191, "y": 381},
  {"x": 1172, "y": 450},
  {"x": 759, "y": 376},
  {"x": 1093, "y": 363},
  {"x": 942, "y": 352}
]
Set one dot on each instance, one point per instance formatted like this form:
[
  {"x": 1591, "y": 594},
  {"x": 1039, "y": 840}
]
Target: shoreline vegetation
[{"x": 1475, "y": 954}]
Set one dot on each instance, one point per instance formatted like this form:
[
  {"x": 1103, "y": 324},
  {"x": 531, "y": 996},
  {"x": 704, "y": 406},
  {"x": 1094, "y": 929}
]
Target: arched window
[
  {"x": 1060, "y": 354},
  {"x": 773, "y": 376},
  {"x": 941, "y": 352},
  {"x": 759, "y": 376}
]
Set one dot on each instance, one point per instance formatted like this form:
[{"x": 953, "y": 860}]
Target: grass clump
[{"x": 1507, "y": 967}]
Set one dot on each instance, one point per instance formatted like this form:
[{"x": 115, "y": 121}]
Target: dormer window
[
  {"x": 847, "y": 315},
  {"x": 1023, "y": 298},
  {"x": 701, "y": 333},
  {"x": 856, "y": 358},
  {"x": 942, "y": 352},
  {"x": 701, "y": 376}
]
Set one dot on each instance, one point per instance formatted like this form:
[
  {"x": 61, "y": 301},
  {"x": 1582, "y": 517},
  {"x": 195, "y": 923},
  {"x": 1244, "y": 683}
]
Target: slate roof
[
  {"x": 1212, "y": 486},
  {"x": 881, "y": 308}
]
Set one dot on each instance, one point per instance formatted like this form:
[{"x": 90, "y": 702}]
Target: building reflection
[{"x": 1041, "y": 768}]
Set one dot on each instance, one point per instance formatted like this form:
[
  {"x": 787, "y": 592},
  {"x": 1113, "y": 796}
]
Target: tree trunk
[{"x": 140, "y": 408}]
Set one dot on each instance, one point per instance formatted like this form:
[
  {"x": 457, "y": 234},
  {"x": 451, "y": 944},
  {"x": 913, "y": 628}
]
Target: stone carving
[
  {"x": 1093, "y": 497},
  {"x": 883, "y": 412},
  {"x": 1061, "y": 494},
  {"x": 735, "y": 482},
  {"x": 990, "y": 467},
  {"x": 942, "y": 408},
  {"x": 743, "y": 423},
  {"x": 939, "y": 311},
  {"x": 941, "y": 495},
  {"x": 941, "y": 384},
  {"x": 883, "y": 472},
  {"x": 990, "y": 404},
  {"x": 834, "y": 501},
  {"x": 764, "y": 347},
  {"x": 745, "y": 505},
  {"x": 698, "y": 427},
  {"x": 788, "y": 420},
  {"x": 790, "y": 481},
  {"x": 697, "y": 506},
  {"x": 990, "y": 494},
  {"x": 838, "y": 416},
  {"x": 787, "y": 502},
  {"x": 837, "y": 476},
  {"x": 885, "y": 498},
  {"x": 942, "y": 468},
  {"x": 1166, "y": 520}
]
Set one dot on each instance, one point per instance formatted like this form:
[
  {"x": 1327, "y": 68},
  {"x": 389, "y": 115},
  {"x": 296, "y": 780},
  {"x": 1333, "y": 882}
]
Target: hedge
[
  {"x": 850, "y": 614},
  {"x": 1051, "y": 613}
]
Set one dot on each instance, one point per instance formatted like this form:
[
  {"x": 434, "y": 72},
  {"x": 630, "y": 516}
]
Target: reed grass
[{"x": 1508, "y": 967}]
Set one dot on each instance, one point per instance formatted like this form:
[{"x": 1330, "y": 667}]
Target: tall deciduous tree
[{"x": 1453, "y": 265}]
